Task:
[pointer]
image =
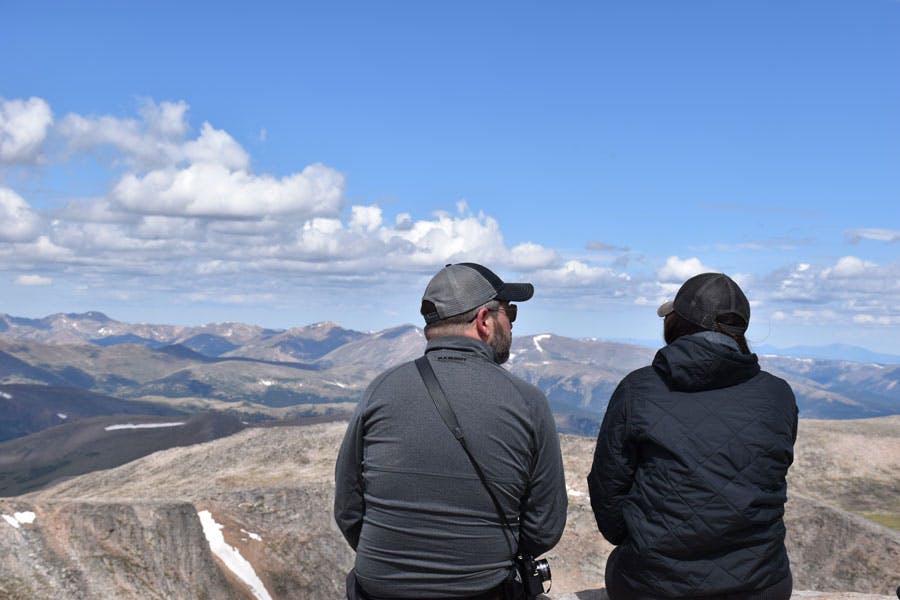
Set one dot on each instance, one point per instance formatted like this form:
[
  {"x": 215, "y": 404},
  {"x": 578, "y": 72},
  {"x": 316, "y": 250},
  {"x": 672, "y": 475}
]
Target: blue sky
[{"x": 293, "y": 162}]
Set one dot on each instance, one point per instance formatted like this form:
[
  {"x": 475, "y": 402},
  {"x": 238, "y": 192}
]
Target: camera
[{"x": 533, "y": 573}]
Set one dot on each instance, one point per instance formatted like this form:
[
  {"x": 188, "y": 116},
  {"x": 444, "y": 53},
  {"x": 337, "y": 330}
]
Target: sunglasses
[{"x": 511, "y": 311}]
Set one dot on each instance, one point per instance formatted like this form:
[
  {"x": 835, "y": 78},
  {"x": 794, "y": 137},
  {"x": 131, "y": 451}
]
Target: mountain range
[{"x": 323, "y": 369}]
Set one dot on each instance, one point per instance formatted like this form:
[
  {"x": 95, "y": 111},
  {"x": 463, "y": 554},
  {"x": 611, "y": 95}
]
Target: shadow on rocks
[{"x": 599, "y": 594}]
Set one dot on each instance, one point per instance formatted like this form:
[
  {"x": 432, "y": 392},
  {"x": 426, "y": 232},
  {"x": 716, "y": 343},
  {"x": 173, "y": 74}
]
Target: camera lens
[{"x": 542, "y": 569}]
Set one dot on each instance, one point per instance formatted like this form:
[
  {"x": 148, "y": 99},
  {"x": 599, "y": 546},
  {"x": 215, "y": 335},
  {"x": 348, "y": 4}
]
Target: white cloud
[
  {"x": 809, "y": 316},
  {"x": 39, "y": 253},
  {"x": 575, "y": 273},
  {"x": 529, "y": 256},
  {"x": 166, "y": 119},
  {"x": 157, "y": 140},
  {"x": 23, "y": 129},
  {"x": 447, "y": 239},
  {"x": 114, "y": 241},
  {"x": 678, "y": 270},
  {"x": 211, "y": 190},
  {"x": 216, "y": 147},
  {"x": 33, "y": 280},
  {"x": 851, "y": 290},
  {"x": 18, "y": 222},
  {"x": 886, "y": 320},
  {"x": 154, "y": 227},
  {"x": 204, "y": 177},
  {"x": 365, "y": 218},
  {"x": 154, "y": 141},
  {"x": 881, "y": 235},
  {"x": 848, "y": 266}
]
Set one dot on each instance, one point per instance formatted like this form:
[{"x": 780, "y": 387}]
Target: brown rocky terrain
[{"x": 134, "y": 531}]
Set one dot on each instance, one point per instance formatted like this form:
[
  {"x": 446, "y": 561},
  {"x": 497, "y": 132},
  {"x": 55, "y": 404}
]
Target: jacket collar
[{"x": 459, "y": 343}]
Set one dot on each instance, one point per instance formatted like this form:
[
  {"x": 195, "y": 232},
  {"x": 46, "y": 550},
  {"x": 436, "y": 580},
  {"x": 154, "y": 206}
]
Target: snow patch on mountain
[
  {"x": 231, "y": 556},
  {"x": 142, "y": 426},
  {"x": 538, "y": 339},
  {"x": 20, "y": 518}
]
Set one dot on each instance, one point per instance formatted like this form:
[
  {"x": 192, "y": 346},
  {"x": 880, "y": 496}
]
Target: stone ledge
[{"x": 601, "y": 595}]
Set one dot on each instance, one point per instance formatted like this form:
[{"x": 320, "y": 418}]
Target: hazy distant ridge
[{"x": 323, "y": 368}]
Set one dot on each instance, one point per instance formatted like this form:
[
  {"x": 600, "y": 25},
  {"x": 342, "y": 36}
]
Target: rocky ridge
[{"x": 134, "y": 531}]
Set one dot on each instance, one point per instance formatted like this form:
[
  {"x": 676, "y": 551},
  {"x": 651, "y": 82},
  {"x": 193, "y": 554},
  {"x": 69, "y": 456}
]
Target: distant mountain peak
[{"x": 91, "y": 315}]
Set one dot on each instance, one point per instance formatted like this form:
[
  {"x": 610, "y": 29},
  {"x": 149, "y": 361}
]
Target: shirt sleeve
[
  {"x": 543, "y": 515},
  {"x": 349, "y": 503},
  {"x": 613, "y": 469}
]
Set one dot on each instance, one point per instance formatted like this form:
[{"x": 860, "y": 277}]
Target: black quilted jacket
[{"x": 689, "y": 472}]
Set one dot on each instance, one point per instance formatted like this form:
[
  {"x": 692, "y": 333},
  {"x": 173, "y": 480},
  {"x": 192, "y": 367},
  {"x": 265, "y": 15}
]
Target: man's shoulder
[{"x": 396, "y": 375}]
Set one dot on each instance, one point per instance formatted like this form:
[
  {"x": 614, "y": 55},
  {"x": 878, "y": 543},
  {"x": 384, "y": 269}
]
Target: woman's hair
[{"x": 676, "y": 326}]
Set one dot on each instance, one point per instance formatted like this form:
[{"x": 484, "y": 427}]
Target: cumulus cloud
[
  {"x": 23, "y": 129},
  {"x": 41, "y": 252},
  {"x": 18, "y": 222},
  {"x": 848, "y": 266},
  {"x": 452, "y": 239},
  {"x": 850, "y": 290},
  {"x": 192, "y": 202},
  {"x": 366, "y": 242},
  {"x": 676, "y": 269},
  {"x": 157, "y": 139},
  {"x": 33, "y": 280},
  {"x": 216, "y": 147},
  {"x": 212, "y": 190},
  {"x": 529, "y": 256},
  {"x": 365, "y": 218}
]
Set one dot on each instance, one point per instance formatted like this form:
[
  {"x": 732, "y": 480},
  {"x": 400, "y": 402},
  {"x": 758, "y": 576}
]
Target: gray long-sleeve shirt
[{"x": 408, "y": 500}]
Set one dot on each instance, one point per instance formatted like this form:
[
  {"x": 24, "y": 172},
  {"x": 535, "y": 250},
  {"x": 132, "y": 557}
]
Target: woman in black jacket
[{"x": 688, "y": 478}]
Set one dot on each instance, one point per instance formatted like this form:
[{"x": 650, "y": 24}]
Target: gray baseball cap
[
  {"x": 464, "y": 286},
  {"x": 702, "y": 299}
]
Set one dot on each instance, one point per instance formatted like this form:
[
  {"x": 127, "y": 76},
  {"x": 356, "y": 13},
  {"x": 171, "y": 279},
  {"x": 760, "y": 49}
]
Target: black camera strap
[{"x": 449, "y": 417}]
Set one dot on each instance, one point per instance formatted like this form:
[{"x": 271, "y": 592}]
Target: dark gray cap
[
  {"x": 464, "y": 286},
  {"x": 704, "y": 298}
]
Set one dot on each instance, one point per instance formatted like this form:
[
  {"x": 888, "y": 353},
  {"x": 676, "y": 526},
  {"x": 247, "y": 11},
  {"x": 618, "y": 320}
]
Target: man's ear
[{"x": 483, "y": 325}]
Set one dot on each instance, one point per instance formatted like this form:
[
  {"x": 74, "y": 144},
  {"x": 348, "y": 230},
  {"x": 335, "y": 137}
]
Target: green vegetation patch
[{"x": 891, "y": 520}]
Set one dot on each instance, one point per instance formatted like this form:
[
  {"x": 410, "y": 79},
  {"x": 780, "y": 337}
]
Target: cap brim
[
  {"x": 515, "y": 292},
  {"x": 665, "y": 308}
]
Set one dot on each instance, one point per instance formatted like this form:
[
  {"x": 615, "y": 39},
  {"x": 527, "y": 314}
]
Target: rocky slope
[{"x": 134, "y": 531}]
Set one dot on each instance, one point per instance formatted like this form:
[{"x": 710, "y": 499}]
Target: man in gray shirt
[{"x": 408, "y": 500}]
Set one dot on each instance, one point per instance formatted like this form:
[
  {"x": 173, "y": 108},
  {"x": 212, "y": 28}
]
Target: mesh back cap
[
  {"x": 461, "y": 287},
  {"x": 702, "y": 299}
]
